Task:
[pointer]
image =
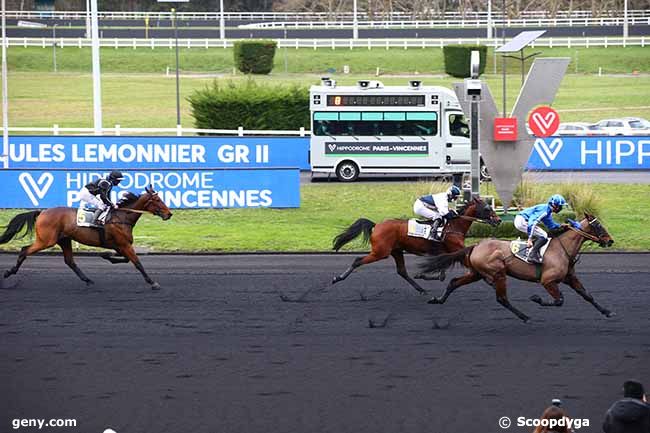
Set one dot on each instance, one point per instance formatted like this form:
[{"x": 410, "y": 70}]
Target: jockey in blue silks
[{"x": 528, "y": 220}]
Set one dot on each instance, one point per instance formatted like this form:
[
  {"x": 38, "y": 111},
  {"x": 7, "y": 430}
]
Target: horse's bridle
[{"x": 584, "y": 234}]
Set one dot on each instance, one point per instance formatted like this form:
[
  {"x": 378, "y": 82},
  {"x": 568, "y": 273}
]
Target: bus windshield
[{"x": 375, "y": 123}]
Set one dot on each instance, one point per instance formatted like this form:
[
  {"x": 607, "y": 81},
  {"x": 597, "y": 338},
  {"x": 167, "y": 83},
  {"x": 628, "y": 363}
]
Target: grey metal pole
[
  {"x": 5, "y": 98},
  {"x": 87, "y": 18},
  {"x": 474, "y": 139},
  {"x": 503, "y": 35},
  {"x": 625, "y": 23},
  {"x": 54, "y": 47},
  {"x": 489, "y": 20},
  {"x": 355, "y": 21},
  {"x": 222, "y": 22},
  {"x": 97, "y": 83},
  {"x": 178, "y": 87}
]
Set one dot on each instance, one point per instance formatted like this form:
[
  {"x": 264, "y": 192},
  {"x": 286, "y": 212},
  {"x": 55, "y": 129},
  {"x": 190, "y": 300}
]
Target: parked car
[
  {"x": 579, "y": 128},
  {"x": 644, "y": 122},
  {"x": 625, "y": 126}
]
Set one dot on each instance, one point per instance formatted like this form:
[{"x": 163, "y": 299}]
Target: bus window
[{"x": 458, "y": 125}]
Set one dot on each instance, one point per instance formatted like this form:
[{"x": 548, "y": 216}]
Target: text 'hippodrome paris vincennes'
[{"x": 141, "y": 153}]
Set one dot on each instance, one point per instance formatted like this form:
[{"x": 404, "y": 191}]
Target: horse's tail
[
  {"x": 360, "y": 226},
  {"x": 445, "y": 261},
  {"x": 17, "y": 223}
]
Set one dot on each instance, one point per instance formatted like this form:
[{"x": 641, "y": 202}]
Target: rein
[
  {"x": 584, "y": 234},
  {"x": 132, "y": 210}
]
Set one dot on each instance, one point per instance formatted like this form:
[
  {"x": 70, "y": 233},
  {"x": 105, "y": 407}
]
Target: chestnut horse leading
[
  {"x": 390, "y": 237},
  {"x": 492, "y": 261},
  {"x": 59, "y": 226}
]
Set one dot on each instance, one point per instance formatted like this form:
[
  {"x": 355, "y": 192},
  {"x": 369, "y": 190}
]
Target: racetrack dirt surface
[{"x": 219, "y": 350}]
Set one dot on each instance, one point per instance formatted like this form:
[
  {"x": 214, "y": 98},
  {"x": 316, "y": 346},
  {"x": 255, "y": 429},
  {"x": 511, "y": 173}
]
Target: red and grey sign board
[
  {"x": 505, "y": 129},
  {"x": 543, "y": 121}
]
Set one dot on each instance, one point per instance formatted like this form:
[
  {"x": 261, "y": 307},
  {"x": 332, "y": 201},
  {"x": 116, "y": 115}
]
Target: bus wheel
[
  {"x": 485, "y": 174},
  {"x": 347, "y": 171}
]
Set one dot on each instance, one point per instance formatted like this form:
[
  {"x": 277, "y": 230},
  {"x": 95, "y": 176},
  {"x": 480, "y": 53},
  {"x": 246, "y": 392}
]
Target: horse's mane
[
  {"x": 463, "y": 207},
  {"x": 128, "y": 199}
]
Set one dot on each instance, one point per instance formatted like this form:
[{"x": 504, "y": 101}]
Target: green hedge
[
  {"x": 254, "y": 56},
  {"x": 507, "y": 228},
  {"x": 248, "y": 104},
  {"x": 458, "y": 57}
]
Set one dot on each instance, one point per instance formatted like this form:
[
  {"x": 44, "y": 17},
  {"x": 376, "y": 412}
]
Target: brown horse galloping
[
  {"x": 492, "y": 261},
  {"x": 391, "y": 237},
  {"x": 59, "y": 226}
]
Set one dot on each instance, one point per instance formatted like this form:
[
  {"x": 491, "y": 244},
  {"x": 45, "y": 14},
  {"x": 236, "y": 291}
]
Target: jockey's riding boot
[
  {"x": 534, "y": 255},
  {"x": 101, "y": 219},
  {"x": 435, "y": 225}
]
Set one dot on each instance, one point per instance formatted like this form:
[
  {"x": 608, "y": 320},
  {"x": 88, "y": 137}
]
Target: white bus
[{"x": 372, "y": 128}]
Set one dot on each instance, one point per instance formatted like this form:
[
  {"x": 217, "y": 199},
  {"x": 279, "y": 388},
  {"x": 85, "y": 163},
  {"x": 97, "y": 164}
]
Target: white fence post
[
  {"x": 240, "y": 131},
  {"x": 179, "y": 131},
  {"x": 302, "y": 131},
  {"x": 117, "y": 129},
  {"x": 55, "y": 129}
]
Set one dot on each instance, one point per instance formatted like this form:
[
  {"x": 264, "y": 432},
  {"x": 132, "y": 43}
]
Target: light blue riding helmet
[{"x": 557, "y": 200}]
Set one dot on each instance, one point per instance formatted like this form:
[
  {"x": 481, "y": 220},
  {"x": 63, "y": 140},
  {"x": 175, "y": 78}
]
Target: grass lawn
[
  {"x": 328, "y": 208},
  {"x": 138, "y": 100}
]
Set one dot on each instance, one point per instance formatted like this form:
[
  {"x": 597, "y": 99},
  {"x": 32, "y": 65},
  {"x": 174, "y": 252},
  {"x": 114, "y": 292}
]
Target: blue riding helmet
[
  {"x": 453, "y": 192},
  {"x": 557, "y": 200}
]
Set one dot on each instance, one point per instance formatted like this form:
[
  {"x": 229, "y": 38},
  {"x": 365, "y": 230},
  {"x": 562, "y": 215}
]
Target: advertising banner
[
  {"x": 193, "y": 189},
  {"x": 376, "y": 149},
  {"x": 590, "y": 153},
  {"x": 122, "y": 152}
]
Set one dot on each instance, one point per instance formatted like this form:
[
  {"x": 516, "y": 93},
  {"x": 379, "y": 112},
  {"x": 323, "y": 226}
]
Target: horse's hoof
[
  {"x": 89, "y": 283},
  {"x": 418, "y": 276},
  {"x": 155, "y": 286},
  {"x": 609, "y": 314},
  {"x": 335, "y": 280},
  {"x": 526, "y": 319},
  {"x": 434, "y": 301},
  {"x": 536, "y": 299},
  {"x": 7, "y": 274}
]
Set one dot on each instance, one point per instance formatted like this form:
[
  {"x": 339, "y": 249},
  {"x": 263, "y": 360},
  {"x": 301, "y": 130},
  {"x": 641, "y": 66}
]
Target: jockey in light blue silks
[
  {"x": 528, "y": 220},
  {"x": 435, "y": 207}
]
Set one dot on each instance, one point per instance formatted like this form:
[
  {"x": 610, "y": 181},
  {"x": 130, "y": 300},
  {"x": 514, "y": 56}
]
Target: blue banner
[
  {"x": 122, "y": 152},
  {"x": 254, "y": 188},
  {"x": 590, "y": 153}
]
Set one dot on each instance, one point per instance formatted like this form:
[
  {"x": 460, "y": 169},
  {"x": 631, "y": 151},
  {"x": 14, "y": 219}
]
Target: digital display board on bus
[{"x": 375, "y": 100}]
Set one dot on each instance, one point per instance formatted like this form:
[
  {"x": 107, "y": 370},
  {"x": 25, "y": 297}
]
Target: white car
[
  {"x": 579, "y": 128},
  {"x": 626, "y": 126}
]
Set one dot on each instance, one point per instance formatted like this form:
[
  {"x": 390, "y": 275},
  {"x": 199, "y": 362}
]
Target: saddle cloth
[
  {"x": 417, "y": 229},
  {"x": 86, "y": 217},
  {"x": 520, "y": 250}
]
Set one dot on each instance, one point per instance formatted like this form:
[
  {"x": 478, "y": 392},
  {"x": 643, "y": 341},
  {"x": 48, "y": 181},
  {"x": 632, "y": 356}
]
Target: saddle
[
  {"x": 424, "y": 229},
  {"x": 520, "y": 250},
  {"x": 87, "y": 217}
]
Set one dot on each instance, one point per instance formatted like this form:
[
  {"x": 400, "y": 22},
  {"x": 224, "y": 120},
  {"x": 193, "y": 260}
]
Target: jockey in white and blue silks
[
  {"x": 528, "y": 220},
  {"x": 435, "y": 207}
]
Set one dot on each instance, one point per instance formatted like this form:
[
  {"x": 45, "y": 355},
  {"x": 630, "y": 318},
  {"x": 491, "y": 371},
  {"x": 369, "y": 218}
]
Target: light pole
[
  {"x": 222, "y": 22},
  {"x": 625, "y": 29},
  {"x": 87, "y": 19},
  {"x": 355, "y": 21},
  {"x": 5, "y": 99},
  {"x": 178, "y": 86},
  {"x": 97, "y": 80},
  {"x": 54, "y": 46},
  {"x": 489, "y": 20}
]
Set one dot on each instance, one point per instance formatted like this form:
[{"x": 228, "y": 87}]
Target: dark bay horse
[
  {"x": 390, "y": 237},
  {"x": 492, "y": 260},
  {"x": 59, "y": 226}
]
